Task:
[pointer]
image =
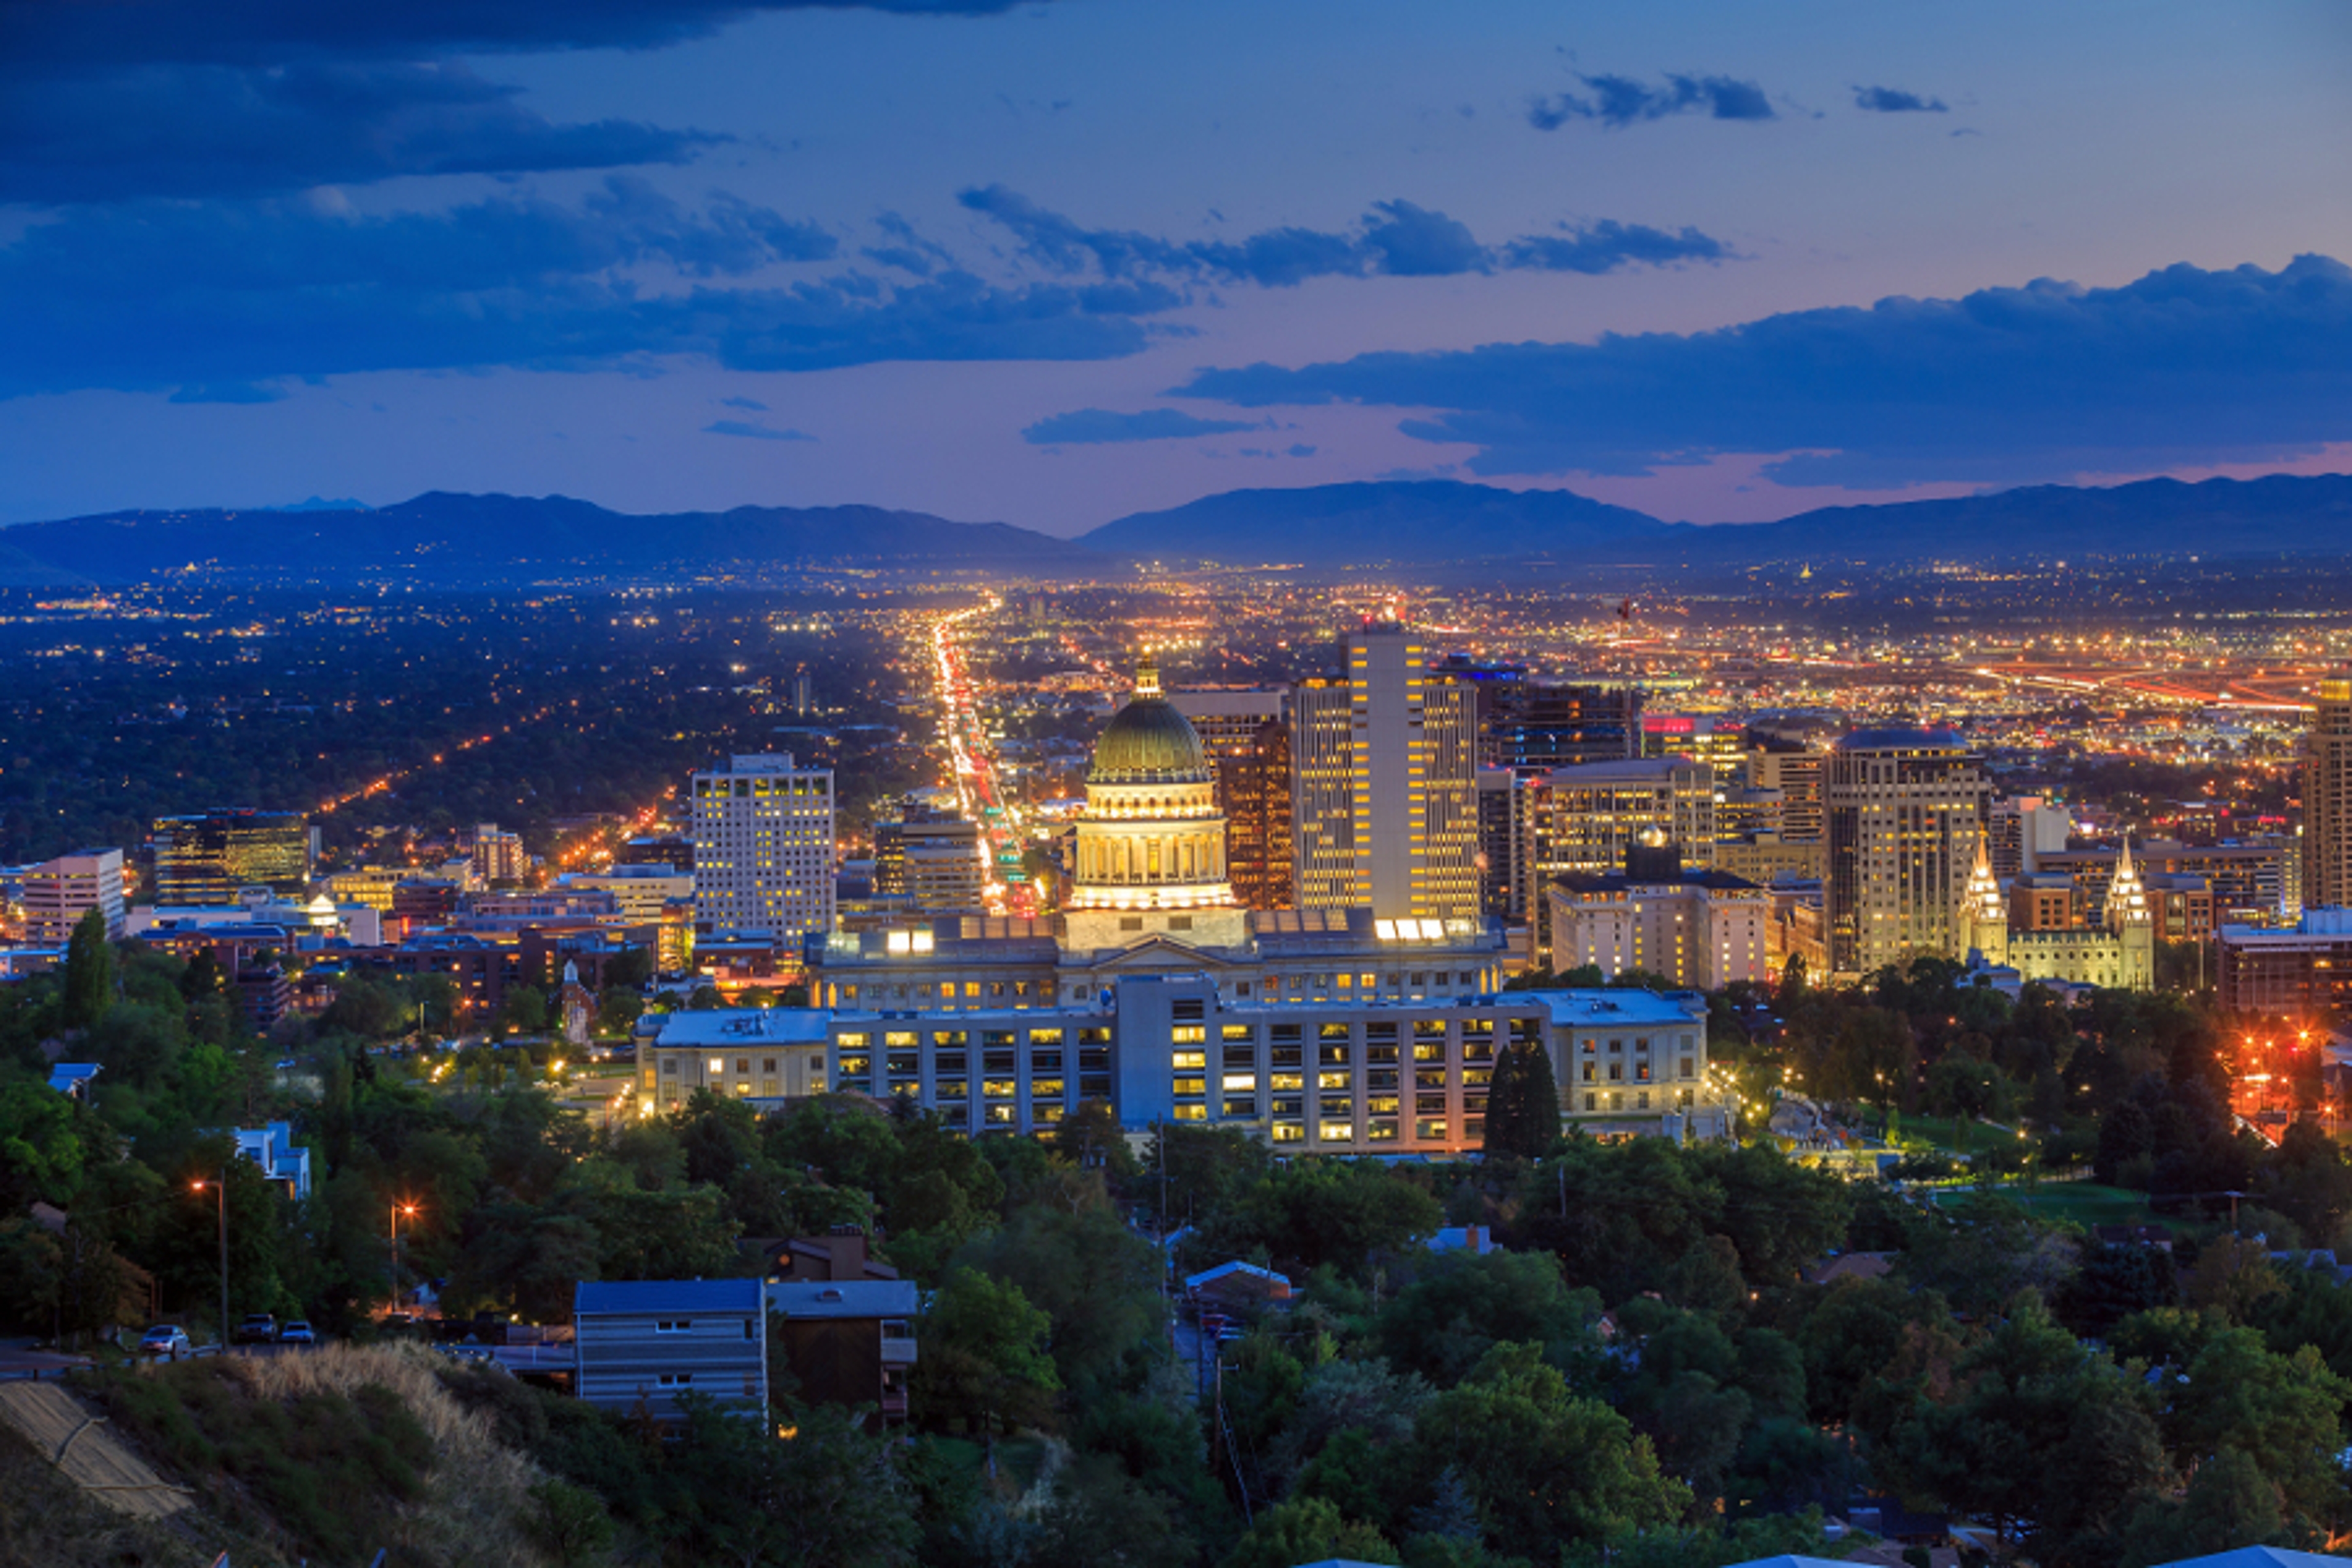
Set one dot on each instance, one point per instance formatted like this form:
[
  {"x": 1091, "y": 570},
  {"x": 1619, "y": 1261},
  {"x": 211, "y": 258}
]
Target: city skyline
[{"x": 1055, "y": 263}]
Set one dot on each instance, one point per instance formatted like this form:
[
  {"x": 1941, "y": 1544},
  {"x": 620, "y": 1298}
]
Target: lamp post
[
  {"x": 220, "y": 1195},
  {"x": 398, "y": 1208}
]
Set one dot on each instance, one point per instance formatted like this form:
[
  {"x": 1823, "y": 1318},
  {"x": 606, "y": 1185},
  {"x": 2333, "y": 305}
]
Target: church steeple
[{"x": 2127, "y": 896}]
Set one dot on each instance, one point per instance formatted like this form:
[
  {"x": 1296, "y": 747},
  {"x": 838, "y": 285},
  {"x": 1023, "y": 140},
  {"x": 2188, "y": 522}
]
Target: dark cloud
[
  {"x": 1607, "y": 246},
  {"x": 233, "y": 98},
  {"x": 49, "y": 36},
  {"x": 1098, "y": 426},
  {"x": 153, "y": 295},
  {"x": 1621, "y": 100},
  {"x": 204, "y": 130},
  {"x": 1894, "y": 101},
  {"x": 2009, "y": 385},
  {"x": 753, "y": 432},
  {"x": 1302, "y": 450},
  {"x": 1397, "y": 239},
  {"x": 749, "y": 404}
]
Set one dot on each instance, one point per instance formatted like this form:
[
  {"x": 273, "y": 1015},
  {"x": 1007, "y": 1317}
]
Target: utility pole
[{"x": 398, "y": 1208}]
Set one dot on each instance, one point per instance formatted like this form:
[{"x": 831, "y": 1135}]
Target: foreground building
[{"x": 642, "y": 1345}]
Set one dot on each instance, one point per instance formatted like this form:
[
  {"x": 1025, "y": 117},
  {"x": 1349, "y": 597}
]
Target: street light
[
  {"x": 220, "y": 1193},
  {"x": 398, "y": 1208}
]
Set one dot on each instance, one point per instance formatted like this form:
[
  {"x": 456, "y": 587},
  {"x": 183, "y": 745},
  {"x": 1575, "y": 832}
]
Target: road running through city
[{"x": 972, "y": 765}]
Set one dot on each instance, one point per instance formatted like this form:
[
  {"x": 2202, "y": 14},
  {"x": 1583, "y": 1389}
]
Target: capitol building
[{"x": 1148, "y": 895}]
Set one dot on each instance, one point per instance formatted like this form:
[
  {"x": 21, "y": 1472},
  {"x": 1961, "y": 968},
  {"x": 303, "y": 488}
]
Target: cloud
[
  {"x": 164, "y": 294},
  {"x": 1302, "y": 450},
  {"x": 230, "y": 392},
  {"x": 753, "y": 432},
  {"x": 1620, "y": 100},
  {"x": 1397, "y": 239},
  {"x": 2008, "y": 385},
  {"x": 218, "y": 131},
  {"x": 236, "y": 98},
  {"x": 749, "y": 404},
  {"x": 1607, "y": 246},
  {"x": 1894, "y": 101},
  {"x": 1098, "y": 426}
]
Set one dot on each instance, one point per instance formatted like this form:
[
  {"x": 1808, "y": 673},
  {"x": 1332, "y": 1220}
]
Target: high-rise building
[
  {"x": 1581, "y": 821},
  {"x": 1531, "y": 725},
  {"x": 498, "y": 856},
  {"x": 1385, "y": 778},
  {"x": 1708, "y": 738},
  {"x": 2021, "y": 829},
  {"x": 1247, "y": 738},
  {"x": 936, "y": 863},
  {"x": 59, "y": 892},
  {"x": 1906, "y": 813},
  {"x": 764, "y": 846},
  {"x": 2327, "y": 799},
  {"x": 209, "y": 857},
  {"x": 1793, "y": 770}
]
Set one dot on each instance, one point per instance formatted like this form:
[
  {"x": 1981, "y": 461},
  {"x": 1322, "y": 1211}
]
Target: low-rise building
[
  {"x": 1702, "y": 928},
  {"x": 1345, "y": 1078},
  {"x": 2303, "y": 972},
  {"x": 764, "y": 1055},
  {"x": 642, "y": 1345},
  {"x": 848, "y": 1341},
  {"x": 272, "y": 1147}
]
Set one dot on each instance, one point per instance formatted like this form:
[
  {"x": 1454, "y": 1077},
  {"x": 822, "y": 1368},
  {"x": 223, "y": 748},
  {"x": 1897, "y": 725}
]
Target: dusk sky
[{"x": 1058, "y": 261}]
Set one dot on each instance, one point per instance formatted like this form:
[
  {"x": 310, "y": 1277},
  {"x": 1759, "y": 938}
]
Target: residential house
[
  {"x": 848, "y": 1340},
  {"x": 645, "y": 1344},
  {"x": 272, "y": 1147}
]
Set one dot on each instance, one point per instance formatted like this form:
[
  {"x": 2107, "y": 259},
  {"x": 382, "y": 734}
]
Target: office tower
[
  {"x": 1717, "y": 742},
  {"x": 936, "y": 863},
  {"x": 1787, "y": 754},
  {"x": 1906, "y": 813},
  {"x": 658, "y": 849},
  {"x": 1384, "y": 776},
  {"x": 1531, "y": 725},
  {"x": 2021, "y": 829},
  {"x": 803, "y": 700},
  {"x": 1502, "y": 823},
  {"x": 498, "y": 856},
  {"x": 2327, "y": 799},
  {"x": 1248, "y": 743},
  {"x": 764, "y": 846},
  {"x": 209, "y": 857},
  {"x": 59, "y": 892},
  {"x": 1582, "y": 821}
]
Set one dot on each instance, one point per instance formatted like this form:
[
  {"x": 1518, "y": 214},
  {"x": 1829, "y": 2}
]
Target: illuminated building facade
[
  {"x": 2327, "y": 799},
  {"x": 1246, "y": 735},
  {"x": 59, "y": 892},
  {"x": 2035, "y": 929},
  {"x": 1906, "y": 813},
  {"x": 1385, "y": 770},
  {"x": 1696, "y": 927},
  {"x": 764, "y": 846},
  {"x": 1583, "y": 821},
  {"x": 208, "y": 858},
  {"x": 935, "y": 863}
]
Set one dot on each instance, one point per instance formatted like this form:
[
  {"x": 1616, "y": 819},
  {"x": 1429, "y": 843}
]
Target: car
[
  {"x": 297, "y": 1332},
  {"x": 255, "y": 1328},
  {"x": 165, "y": 1338}
]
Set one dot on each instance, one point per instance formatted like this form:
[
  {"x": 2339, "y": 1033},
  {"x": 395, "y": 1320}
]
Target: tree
[
  {"x": 89, "y": 972},
  {"x": 1307, "y": 1530},
  {"x": 567, "y": 1522},
  {"x": 1522, "y": 1104},
  {"x": 1446, "y": 1321},
  {"x": 1553, "y": 1470},
  {"x": 984, "y": 1360},
  {"x": 829, "y": 1494},
  {"x": 524, "y": 1010}
]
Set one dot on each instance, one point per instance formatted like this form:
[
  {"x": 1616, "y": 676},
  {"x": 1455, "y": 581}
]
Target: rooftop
[
  {"x": 624, "y": 1297},
  {"x": 1628, "y": 1007},
  {"x": 743, "y": 1026}
]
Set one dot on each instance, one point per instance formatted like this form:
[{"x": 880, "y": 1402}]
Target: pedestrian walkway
[{"x": 66, "y": 1435}]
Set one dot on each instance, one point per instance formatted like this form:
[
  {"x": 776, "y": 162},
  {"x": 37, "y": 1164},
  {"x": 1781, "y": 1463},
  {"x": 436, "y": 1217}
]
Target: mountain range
[{"x": 469, "y": 540}]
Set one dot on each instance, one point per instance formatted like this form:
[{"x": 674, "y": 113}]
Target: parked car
[
  {"x": 255, "y": 1328},
  {"x": 164, "y": 1338},
  {"x": 297, "y": 1332}
]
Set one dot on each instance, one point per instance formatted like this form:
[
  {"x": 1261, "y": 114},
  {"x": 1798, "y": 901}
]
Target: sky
[{"x": 1051, "y": 262}]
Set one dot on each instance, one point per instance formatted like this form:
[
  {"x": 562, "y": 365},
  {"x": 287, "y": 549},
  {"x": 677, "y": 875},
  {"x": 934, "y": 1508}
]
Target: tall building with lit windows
[
  {"x": 211, "y": 857},
  {"x": 2327, "y": 799},
  {"x": 764, "y": 846},
  {"x": 1384, "y": 767},
  {"x": 1906, "y": 812}
]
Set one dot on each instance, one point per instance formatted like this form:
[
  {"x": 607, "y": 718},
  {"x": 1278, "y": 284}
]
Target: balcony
[{"x": 897, "y": 1343}]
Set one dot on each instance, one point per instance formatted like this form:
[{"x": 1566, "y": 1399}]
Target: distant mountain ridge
[
  {"x": 1442, "y": 522},
  {"x": 449, "y": 540},
  {"x": 445, "y": 540}
]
